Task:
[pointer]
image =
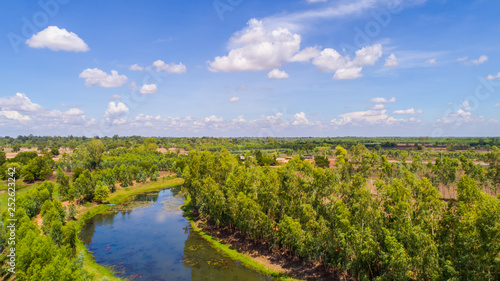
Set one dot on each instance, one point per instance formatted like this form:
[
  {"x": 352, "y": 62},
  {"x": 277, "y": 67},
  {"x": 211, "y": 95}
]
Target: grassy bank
[
  {"x": 245, "y": 259},
  {"x": 101, "y": 272}
]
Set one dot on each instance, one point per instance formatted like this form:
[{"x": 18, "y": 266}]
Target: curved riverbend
[{"x": 148, "y": 238}]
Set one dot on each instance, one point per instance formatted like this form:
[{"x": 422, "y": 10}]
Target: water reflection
[{"x": 147, "y": 238}]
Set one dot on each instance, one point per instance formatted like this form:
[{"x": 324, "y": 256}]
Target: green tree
[
  {"x": 101, "y": 193},
  {"x": 37, "y": 169},
  {"x": 94, "y": 151}
]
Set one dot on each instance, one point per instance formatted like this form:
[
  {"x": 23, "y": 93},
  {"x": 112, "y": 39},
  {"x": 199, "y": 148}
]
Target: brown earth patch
[{"x": 275, "y": 259}]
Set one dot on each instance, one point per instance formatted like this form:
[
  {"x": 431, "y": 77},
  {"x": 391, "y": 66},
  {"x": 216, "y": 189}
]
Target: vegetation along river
[{"x": 147, "y": 238}]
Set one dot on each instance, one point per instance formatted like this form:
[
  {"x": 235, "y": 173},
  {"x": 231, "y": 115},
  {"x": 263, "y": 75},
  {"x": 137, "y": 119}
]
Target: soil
[{"x": 277, "y": 259}]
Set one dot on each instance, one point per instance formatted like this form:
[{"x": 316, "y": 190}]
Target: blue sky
[{"x": 250, "y": 68}]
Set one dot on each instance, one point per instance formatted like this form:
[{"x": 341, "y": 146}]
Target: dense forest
[{"x": 377, "y": 208}]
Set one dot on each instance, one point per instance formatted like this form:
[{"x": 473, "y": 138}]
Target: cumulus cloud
[
  {"x": 256, "y": 48},
  {"x": 458, "y": 117},
  {"x": 462, "y": 59},
  {"x": 148, "y": 89},
  {"x": 19, "y": 102},
  {"x": 97, "y": 77},
  {"x": 391, "y": 61},
  {"x": 330, "y": 60},
  {"x": 373, "y": 116},
  {"x": 480, "y": 60},
  {"x": 115, "y": 113},
  {"x": 234, "y": 99},
  {"x": 383, "y": 100},
  {"x": 306, "y": 54},
  {"x": 493, "y": 77},
  {"x": 348, "y": 73},
  {"x": 116, "y": 97},
  {"x": 407, "y": 111},
  {"x": 136, "y": 67},
  {"x": 277, "y": 74},
  {"x": 170, "y": 68},
  {"x": 20, "y": 108},
  {"x": 466, "y": 105},
  {"x": 299, "y": 119},
  {"x": 259, "y": 48},
  {"x": 57, "y": 39},
  {"x": 14, "y": 115}
]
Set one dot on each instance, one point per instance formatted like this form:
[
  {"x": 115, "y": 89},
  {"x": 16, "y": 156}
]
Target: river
[{"x": 148, "y": 238}]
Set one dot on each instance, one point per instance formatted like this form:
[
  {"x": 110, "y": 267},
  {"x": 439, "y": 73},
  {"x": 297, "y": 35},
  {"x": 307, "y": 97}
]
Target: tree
[
  {"x": 94, "y": 149},
  {"x": 101, "y": 193},
  {"x": 63, "y": 181},
  {"x": 37, "y": 169},
  {"x": 54, "y": 151},
  {"x": 76, "y": 173},
  {"x": 84, "y": 186},
  {"x": 322, "y": 161},
  {"x": 2, "y": 158}
]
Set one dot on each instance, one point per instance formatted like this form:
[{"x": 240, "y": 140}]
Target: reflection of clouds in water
[
  {"x": 161, "y": 217},
  {"x": 171, "y": 204}
]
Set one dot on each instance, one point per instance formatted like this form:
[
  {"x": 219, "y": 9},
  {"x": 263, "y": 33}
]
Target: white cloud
[
  {"x": 407, "y": 111},
  {"x": 458, "y": 117},
  {"x": 348, "y": 73},
  {"x": 330, "y": 60},
  {"x": 492, "y": 77},
  {"x": 132, "y": 86},
  {"x": 115, "y": 113},
  {"x": 234, "y": 99},
  {"x": 33, "y": 117},
  {"x": 497, "y": 105},
  {"x": 480, "y": 60},
  {"x": 170, "y": 68},
  {"x": 371, "y": 116},
  {"x": 306, "y": 54},
  {"x": 116, "y": 97},
  {"x": 431, "y": 61},
  {"x": 213, "y": 118},
  {"x": 391, "y": 61},
  {"x": 368, "y": 55},
  {"x": 19, "y": 102},
  {"x": 277, "y": 74},
  {"x": 466, "y": 105},
  {"x": 116, "y": 109},
  {"x": 299, "y": 119},
  {"x": 148, "y": 89},
  {"x": 374, "y": 116},
  {"x": 97, "y": 77},
  {"x": 57, "y": 39},
  {"x": 255, "y": 48},
  {"x": 136, "y": 67},
  {"x": 14, "y": 115},
  {"x": 383, "y": 100},
  {"x": 462, "y": 59}
]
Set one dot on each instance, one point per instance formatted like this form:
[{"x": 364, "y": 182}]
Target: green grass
[
  {"x": 246, "y": 260},
  {"x": 20, "y": 189}
]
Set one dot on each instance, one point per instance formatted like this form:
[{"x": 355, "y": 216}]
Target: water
[{"x": 147, "y": 238}]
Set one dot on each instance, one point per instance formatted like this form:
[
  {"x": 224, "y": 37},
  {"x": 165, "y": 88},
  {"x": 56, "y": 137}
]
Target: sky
[{"x": 236, "y": 68}]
